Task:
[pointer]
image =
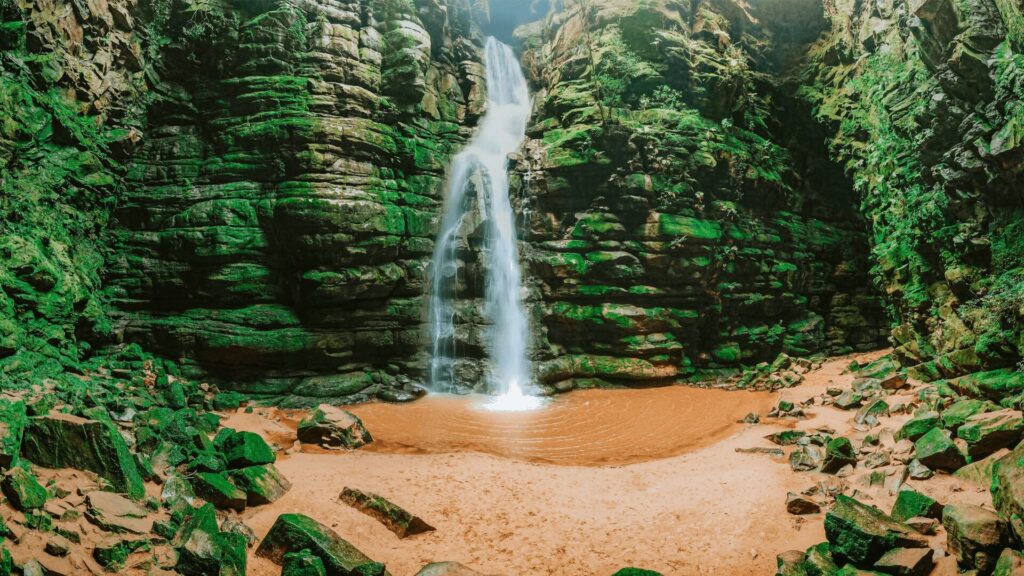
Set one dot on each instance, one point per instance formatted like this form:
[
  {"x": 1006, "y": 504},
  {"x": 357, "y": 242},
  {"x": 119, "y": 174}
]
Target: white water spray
[{"x": 502, "y": 131}]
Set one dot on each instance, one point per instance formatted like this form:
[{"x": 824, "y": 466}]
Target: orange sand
[{"x": 487, "y": 483}]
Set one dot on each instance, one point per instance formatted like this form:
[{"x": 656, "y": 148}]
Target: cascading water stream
[{"x": 485, "y": 162}]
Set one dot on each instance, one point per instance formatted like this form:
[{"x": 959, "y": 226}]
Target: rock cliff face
[
  {"x": 280, "y": 213},
  {"x": 924, "y": 102},
  {"x": 681, "y": 218},
  {"x": 252, "y": 188},
  {"x": 72, "y": 88}
]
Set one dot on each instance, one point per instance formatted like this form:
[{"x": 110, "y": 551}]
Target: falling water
[{"x": 485, "y": 162}]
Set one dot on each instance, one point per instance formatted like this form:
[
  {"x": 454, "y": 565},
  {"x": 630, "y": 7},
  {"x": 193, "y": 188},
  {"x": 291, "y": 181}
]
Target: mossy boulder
[
  {"x": 261, "y": 484},
  {"x": 23, "y": 490},
  {"x": 217, "y": 489},
  {"x": 839, "y": 452},
  {"x": 861, "y": 534},
  {"x": 937, "y": 451},
  {"x": 296, "y": 532},
  {"x": 333, "y": 427},
  {"x": 987, "y": 432},
  {"x": 919, "y": 425},
  {"x": 1007, "y": 487},
  {"x": 958, "y": 412},
  {"x": 93, "y": 443},
  {"x": 245, "y": 449},
  {"x": 911, "y": 503},
  {"x": 13, "y": 420},
  {"x": 203, "y": 550}
]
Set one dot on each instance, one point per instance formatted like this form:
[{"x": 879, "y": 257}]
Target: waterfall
[{"x": 485, "y": 163}]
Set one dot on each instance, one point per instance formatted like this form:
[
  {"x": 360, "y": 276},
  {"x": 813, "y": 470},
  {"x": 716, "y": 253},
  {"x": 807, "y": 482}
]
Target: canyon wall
[
  {"x": 252, "y": 189},
  {"x": 682, "y": 218},
  {"x": 923, "y": 101}
]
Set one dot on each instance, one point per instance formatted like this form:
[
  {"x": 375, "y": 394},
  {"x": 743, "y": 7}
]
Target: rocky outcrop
[
  {"x": 280, "y": 214},
  {"x": 676, "y": 223},
  {"x": 924, "y": 103}
]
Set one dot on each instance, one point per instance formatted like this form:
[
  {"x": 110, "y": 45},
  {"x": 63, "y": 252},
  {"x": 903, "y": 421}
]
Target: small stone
[
  {"x": 751, "y": 418},
  {"x": 926, "y": 526},
  {"x": 894, "y": 382},
  {"x": 57, "y": 546},
  {"x": 805, "y": 458},
  {"x": 261, "y": 484},
  {"x": 799, "y": 505},
  {"x": 456, "y": 569},
  {"x": 919, "y": 471},
  {"x": 872, "y": 409},
  {"x": 877, "y": 459},
  {"x": 236, "y": 526},
  {"x": 838, "y": 453},
  {"x": 790, "y": 563},
  {"x": 848, "y": 400},
  {"x": 786, "y": 437}
]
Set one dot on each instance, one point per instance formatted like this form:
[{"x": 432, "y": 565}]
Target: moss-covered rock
[
  {"x": 295, "y": 532},
  {"x": 861, "y": 534},
  {"x": 93, "y": 443},
  {"x": 936, "y": 450},
  {"x": 22, "y": 490}
]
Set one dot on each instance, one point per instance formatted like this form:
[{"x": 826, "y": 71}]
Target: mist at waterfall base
[{"x": 502, "y": 131}]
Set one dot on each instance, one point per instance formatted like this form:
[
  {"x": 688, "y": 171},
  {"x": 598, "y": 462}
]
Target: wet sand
[{"x": 598, "y": 481}]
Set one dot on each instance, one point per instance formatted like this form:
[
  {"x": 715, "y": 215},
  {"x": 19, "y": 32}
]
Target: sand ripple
[{"x": 584, "y": 428}]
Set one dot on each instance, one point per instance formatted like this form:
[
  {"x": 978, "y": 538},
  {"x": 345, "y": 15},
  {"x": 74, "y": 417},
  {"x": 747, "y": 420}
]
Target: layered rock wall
[
  {"x": 680, "y": 217},
  {"x": 924, "y": 101},
  {"x": 281, "y": 210}
]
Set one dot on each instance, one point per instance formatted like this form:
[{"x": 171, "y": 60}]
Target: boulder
[
  {"x": 918, "y": 425},
  {"x": 818, "y": 561},
  {"x": 333, "y": 427},
  {"x": 906, "y": 562},
  {"x": 23, "y": 490},
  {"x": 636, "y": 572},
  {"x": 805, "y": 458},
  {"x": 212, "y": 554},
  {"x": 94, "y": 444},
  {"x": 870, "y": 412},
  {"x": 989, "y": 431},
  {"x": 862, "y": 534},
  {"x": 296, "y": 532},
  {"x": 217, "y": 489},
  {"x": 1010, "y": 563},
  {"x": 115, "y": 513},
  {"x": 958, "y": 412},
  {"x": 244, "y": 449},
  {"x": 395, "y": 518},
  {"x": 839, "y": 452},
  {"x": 1007, "y": 486},
  {"x": 976, "y": 536},
  {"x": 261, "y": 484},
  {"x": 848, "y": 400},
  {"x": 13, "y": 419},
  {"x": 910, "y": 503},
  {"x": 936, "y": 451},
  {"x": 894, "y": 382}
]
